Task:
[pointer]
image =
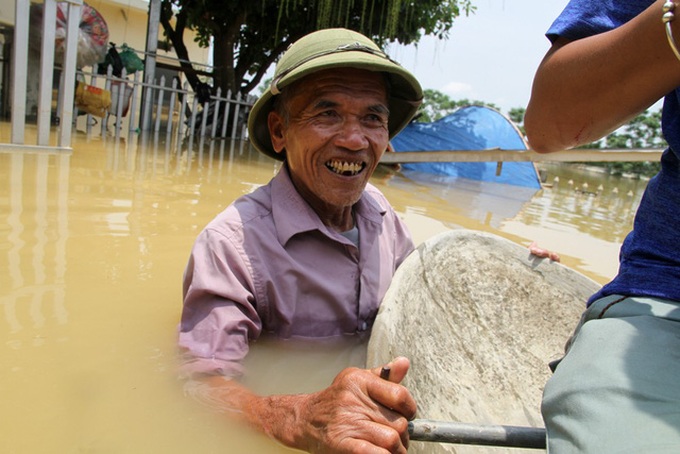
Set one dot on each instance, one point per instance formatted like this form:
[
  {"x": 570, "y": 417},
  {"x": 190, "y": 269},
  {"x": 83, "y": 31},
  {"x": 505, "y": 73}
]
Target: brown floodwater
[{"x": 94, "y": 243}]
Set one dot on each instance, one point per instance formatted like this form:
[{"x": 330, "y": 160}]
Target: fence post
[
  {"x": 133, "y": 107},
  {"x": 93, "y": 82},
  {"x": 68, "y": 73},
  {"x": 171, "y": 106},
  {"x": 216, "y": 116},
  {"x": 237, "y": 108},
  {"x": 107, "y": 86},
  {"x": 20, "y": 73},
  {"x": 120, "y": 101},
  {"x": 147, "y": 100},
  {"x": 46, "y": 71},
  {"x": 183, "y": 107},
  {"x": 194, "y": 108},
  {"x": 150, "y": 59},
  {"x": 227, "y": 108},
  {"x": 159, "y": 105}
]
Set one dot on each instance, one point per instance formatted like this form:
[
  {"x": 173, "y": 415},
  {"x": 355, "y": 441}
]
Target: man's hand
[
  {"x": 360, "y": 412},
  {"x": 543, "y": 253}
]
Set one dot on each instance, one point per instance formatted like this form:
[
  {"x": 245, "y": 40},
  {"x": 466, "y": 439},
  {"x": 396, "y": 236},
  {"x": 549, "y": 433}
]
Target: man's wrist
[{"x": 281, "y": 417}]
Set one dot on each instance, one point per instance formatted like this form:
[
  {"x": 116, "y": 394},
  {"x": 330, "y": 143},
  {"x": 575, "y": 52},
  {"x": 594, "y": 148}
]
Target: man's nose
[{"x": 352, "y": 135}]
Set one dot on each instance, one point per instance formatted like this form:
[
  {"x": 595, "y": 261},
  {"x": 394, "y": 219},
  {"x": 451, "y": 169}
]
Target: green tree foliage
[
  {"x": 516, "y": 115},
  {"x": 248, "y": 36},
  {"x": 437, "y": 105},
  {"x": 643, "y": 131}
]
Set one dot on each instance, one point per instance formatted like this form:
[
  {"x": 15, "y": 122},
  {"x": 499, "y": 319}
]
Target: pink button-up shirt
[{"x": 268, "y": 264}]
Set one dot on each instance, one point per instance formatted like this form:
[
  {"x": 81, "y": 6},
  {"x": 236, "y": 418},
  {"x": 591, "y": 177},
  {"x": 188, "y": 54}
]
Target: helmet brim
[{"x": 404, "y": 91}]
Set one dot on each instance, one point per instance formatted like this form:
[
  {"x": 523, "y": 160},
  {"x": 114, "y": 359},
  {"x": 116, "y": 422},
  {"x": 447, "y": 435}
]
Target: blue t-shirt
[{"x": 650, "y": 254}]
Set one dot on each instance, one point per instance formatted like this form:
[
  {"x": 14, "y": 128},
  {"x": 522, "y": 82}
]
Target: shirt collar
[{"x": 292, "y": 214}]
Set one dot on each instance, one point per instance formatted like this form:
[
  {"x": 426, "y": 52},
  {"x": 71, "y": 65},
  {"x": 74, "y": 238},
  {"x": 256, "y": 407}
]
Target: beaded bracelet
[{"x": 667, "y": 18}]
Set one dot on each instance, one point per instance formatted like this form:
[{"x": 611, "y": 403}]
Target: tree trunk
[
  {"x": 224, "y": 44},
  {"x": 176, "y": 36},
  {"x": 223, "y": 69}
]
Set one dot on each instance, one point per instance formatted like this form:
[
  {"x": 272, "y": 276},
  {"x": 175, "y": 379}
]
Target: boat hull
[{"x": 480, "y": 319}]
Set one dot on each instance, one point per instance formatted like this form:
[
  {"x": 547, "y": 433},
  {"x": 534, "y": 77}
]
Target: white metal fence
[
  {"x": 149, "y": 105},
  {"x": 164, "y": 106},
  {"x": 19, "y": 72}
]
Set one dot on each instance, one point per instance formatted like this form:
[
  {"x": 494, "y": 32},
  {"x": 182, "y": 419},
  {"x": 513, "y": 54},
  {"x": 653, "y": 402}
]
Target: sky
[{"x": 490, "y": 56}]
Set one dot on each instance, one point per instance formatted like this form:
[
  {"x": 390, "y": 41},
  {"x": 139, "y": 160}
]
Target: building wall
[{"x": 127, "y": 23}]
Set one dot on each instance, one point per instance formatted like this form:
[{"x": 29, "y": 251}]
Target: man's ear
[{"x": 276, "y": 126}]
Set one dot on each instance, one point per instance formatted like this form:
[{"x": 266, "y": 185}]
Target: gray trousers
[{"x": 617, "y": 390}]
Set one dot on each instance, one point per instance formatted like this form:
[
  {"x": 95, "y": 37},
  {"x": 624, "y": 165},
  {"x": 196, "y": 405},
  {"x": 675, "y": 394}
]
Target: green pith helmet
[{"x": 335, "y": 48}]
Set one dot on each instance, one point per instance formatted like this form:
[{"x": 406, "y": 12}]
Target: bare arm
[
  {"x": 585, "y": 89},
  {"x": 358, "y": 412}
]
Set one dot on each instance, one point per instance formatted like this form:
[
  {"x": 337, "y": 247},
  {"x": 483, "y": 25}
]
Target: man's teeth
[{"x": 344, "y": 167}]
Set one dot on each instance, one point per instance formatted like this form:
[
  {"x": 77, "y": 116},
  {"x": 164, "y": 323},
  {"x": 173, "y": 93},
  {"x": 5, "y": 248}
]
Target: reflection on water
[
  {"x": 94, "y": 244},
  {"x": 599, "y": 204},
  {"x": 487, "y": 203},
  {"x": 584, "y": 216}
]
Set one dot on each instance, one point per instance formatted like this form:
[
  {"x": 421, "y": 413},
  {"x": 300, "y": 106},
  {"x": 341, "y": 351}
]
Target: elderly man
[{"x": 311, "y": 254}]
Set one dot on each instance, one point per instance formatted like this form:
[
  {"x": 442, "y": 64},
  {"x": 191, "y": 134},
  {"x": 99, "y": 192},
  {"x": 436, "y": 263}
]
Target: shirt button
[{"x": 364, "y": 326}]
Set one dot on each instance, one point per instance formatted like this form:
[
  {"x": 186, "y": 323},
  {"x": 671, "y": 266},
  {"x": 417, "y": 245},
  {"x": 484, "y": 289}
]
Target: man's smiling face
[{"x": 334, "y": 135}]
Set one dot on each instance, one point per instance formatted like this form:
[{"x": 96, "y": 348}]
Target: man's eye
[{"x": 375, "y": 119}]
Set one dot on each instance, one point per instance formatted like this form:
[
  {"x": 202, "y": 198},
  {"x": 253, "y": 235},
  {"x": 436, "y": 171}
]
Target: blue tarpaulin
[{"x": 469, "y": 128}]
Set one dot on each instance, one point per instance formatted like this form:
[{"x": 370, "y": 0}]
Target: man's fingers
[
  {"x": 394, "y": 371},
  {"x": 393, "y": 397},
  {"x": 377, "y": 438},
  {"x": 399, "y": 423}
]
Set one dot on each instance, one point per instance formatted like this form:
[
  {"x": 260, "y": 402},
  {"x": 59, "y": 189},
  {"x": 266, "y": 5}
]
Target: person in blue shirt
[{"x": 617, "y": 389}]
